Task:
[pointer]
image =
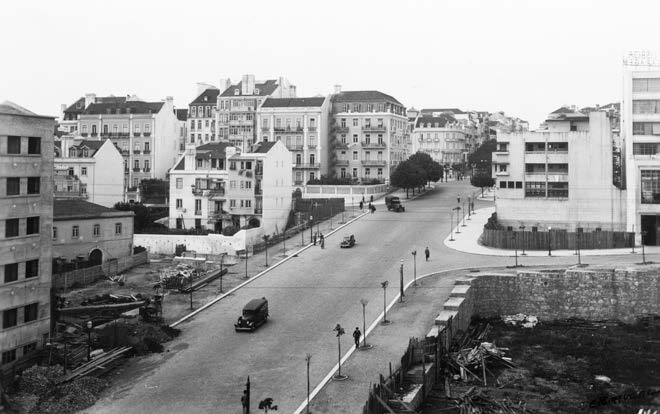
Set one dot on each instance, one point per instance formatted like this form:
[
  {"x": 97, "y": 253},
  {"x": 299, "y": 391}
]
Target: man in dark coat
[{"x": 356, "y": 336}]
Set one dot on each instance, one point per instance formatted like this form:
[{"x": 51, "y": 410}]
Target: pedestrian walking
[
  {"x": 363, "y": 200},
  {"x": 427, "y": 253},
  {"x": 371, "y": 198},
  {"x": 244, "y": 401},
  {"x": 322, "y": 241},
  {"x": 361, "y": 205},
  {"x": 373, "y": 209},
  {"x": 356, "y": 336},
  {"x": 314, "y": 239},
  {"x": 458, "y": 198}
]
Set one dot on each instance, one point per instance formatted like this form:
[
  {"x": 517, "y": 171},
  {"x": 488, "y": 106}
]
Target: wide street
[{"x": 204, "y": 370}]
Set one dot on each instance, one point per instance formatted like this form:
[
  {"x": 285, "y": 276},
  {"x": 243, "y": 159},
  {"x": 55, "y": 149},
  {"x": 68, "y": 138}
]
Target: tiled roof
[
  {"x": 455, "y": 111},
  {"x": 293, "y": 102},
  {"x": 264, "y": 147},
  {"x": 265, "y": 88},
  {"x": 182, "y": 114},
  {"x": 563, "y": 110},
  {"x": 132, "y": 107},
  {"x": 440, "y": 120},
  {"x": 208, "y": 97},
  {"x": 357, "y": 96},
  {"x": 78, "y": 106},
  {"x": 181, "y": 165},
  {"x": 91, "y": 144},
  {"x": 215, "y": 149},
  {"x": 10, "y": 108},
  {"x": 80, "y": 209}
]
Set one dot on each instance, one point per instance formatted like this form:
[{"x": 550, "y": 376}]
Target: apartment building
[
  {"x": 88, "y": 169},
  {"x": 182, "y": 128},
  {"x": 69, "y": 118},
  {"x": 561, "y": 177},
  {"x": 237, "y": 107},
  {"x": 146, "y": 134},
  {"x": 90, "y": 232},
  {"x": 202, "y": 115},
  {"x": 26, "y": 218},
  {"x": 302, "y": 125},
  {"x": 445, "y": 139},
  {"x": 369, "y": 135},
  {"x": 640, "y": 132}
]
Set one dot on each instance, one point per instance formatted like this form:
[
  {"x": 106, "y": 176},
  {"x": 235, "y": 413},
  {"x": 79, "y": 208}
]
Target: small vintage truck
[
  {"x": 255, "y": 314},
  {"x": 393, "y": 203}
]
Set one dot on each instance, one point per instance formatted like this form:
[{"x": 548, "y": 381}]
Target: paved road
[{"x": 205, "y": 369}]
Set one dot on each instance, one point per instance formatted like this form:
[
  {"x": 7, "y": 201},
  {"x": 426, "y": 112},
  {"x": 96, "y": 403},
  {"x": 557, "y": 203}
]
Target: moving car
[
  {"x": 349, "y": 241},
  {"x": 255, "y": 314},
  {"x": 393, "y": 203}
]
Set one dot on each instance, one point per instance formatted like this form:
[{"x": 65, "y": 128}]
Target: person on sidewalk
[
  {"x": 458, "y": 198},
  {"x": 371, "y": 200},
  {"x": 427, "y": 253},
  {"x": 322, "y": 241},
  {"x": 356, "y": 336},
  {"x": 314, "y": 239},
  {"x": 361, "y": 205}
]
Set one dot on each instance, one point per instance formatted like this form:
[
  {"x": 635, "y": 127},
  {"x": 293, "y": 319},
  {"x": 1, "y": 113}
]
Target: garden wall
[{"x": 88, "y": 275}]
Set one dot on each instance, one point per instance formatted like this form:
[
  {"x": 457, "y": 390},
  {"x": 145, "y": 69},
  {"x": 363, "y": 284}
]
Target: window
[
  {"x": 137, "y": 128},
  {"x": 136, "y": 164},
  {"x": 343, "y": 138},
  {"x": 193, "y": 111},
  {"x": 502, "y": 184},
  {"x": 646, "y": 128},
  {"x": 11, "y": 272},
  {"x": 179, "y": 203},
  {"x": 519, "y": 184},
  {"x": 13, "y": 186},
  {"x": 96, "y": 232},
  {"x": 355, "y": 171},
  {"x": 355, "y": 122},
  {"x": 232, "y": 203},
  {"x": 179, "y": 183},
  {"x": 248, "y": 203},
  {"x": 248, "y": 185},
  {"x": 83, "y": 170},
  {"x": 646, "y": 106},
  {"x": 75, "y": 231},
  {"x": 11, "y": 228},
  {"x": 646, "y": 85},
  {"x": 380, "y": 173},
  {"x": 34, "y": 185},
  {"x": 650, "y": 186},
  {"x": 13, "y": 145},
  {"x": 367, "y": 172},
  {"x": 512, "y": 184},
  {"x": 9, "y": 318},
  {"x": 117, "y": 228},
  {"x": 535, "y": 189},
  {"x": 32, "y": 268},
  {"x": 146, "y": 165},
  {"x": 355, "y": 138},
  {"x": 343, "y": 123},
  {"x": 54, "y": 232},
  {"x": 147, "y": 128},
  {"x": 30, "y": 312},
  {"x": 355, "y": 155},
  {"x": 8, "y": 356},
  {"x": 646, "y": 149},
  {"x": 31, "y": 347},
  {"x": 558, "y": 190}
]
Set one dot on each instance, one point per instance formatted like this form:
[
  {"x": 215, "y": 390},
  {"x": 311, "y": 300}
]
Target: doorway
[
  {"x": 651, "y": 225},
  {"x": 95, "y": 257}
]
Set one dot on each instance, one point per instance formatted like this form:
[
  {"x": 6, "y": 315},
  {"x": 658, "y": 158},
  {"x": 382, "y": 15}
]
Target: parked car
[
  {"x": 393, "y": 203},
  {"x": 349, "y": 241},
  {"x": 255, "y": 314}
]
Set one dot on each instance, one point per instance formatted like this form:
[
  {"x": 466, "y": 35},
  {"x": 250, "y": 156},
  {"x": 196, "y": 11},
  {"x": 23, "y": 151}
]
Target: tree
[
  {"x": 408, "y": 175},
  {"x": 482, "y": 180},
  {"x": 432, "y": 169},
  {"x": 154, "y": 191},
  {"x": 481, "y": 158}
]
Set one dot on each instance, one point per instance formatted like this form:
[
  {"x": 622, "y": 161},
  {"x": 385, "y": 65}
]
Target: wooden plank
[{"x": 384, "y": 404}]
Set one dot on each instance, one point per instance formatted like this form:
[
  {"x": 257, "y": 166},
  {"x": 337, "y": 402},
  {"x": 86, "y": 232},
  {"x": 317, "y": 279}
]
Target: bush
[
  {"x": 230, "y": 230},
  {"x": 492, "y": 223},
  {"x": 139, "y": 249},
  {"x": 179, "y": 249}
]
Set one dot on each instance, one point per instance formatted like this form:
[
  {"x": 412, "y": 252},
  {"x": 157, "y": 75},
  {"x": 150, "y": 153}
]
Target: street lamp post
[
  {"x": 318, "y": 222},
  {"x": 414, "y": 254},
  {"x": 643, "y": 252},
  {"x": 578, "y": 236},
  {"x": 458, "y": 218},
  {"x": 522, "y": 228},
  {"x": 384, "y": 286},
  {"x": 284, "y": 241},
  {"x": 311, "y": 228},
  {"x": 469, "y": 203},
  {"x": 451, "y": 226},
  {"x": 266, "y": 237},
  {"x": 89, "y": 340},
  {"x": 340, "y": 331},
  {"x": 463, "y": 225},
  {"x": 308, "y": 358},
  {"x": 222, "y": 258},
  {"x": 515, "y": 245},
  {"x": 364, "y": 325},
  {"x": 191, "y": 291},
  {"x": 401, "y": 284},
  {"x": 549, "y": 241},
  {"x": 246, "y": 261}
]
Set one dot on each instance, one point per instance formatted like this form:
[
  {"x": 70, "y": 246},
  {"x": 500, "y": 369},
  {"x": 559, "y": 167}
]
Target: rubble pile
[
  {"x": 181, "y": 276},
  {"x": 143, "y": 337}
]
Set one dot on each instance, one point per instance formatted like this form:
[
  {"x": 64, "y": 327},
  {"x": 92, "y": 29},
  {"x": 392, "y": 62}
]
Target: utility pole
[{"x": 401, "y": 284}]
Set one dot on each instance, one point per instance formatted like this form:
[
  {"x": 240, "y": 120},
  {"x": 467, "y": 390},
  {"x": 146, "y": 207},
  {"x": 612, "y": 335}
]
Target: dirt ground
[{"x": 558, "y": 364}]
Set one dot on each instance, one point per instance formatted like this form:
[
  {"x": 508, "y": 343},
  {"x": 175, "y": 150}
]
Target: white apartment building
[
  {"x": 369, "y": 135},
  {"x": 561, "y": 177},
  {"x": 88, "y": 169},
  {"x": 445, "y": 139},
  {"x": 302, "y": 125},
  {"x": 640, "y": 132},
  {"x": 202, "y": 115}
]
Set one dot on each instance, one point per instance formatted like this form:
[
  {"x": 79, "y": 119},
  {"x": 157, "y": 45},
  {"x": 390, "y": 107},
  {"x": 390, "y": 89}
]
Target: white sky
[{"x": 523, "y": 57}]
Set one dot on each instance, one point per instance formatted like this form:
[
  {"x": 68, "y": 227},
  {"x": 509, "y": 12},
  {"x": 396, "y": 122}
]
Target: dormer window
[
  {"x": 72, "y": 152},
  {"x": 85, "y": 152},
  {"x": 237, "y": 91},
  {"x": 256, "y": 91}
]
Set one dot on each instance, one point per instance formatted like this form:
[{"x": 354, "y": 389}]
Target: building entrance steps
[{"x": 459, "y": 291}]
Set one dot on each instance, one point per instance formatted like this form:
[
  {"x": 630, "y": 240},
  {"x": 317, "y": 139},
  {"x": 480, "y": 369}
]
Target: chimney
[
  {"x": 292, "y": 90},
  {"x": 225, "y": 83},
  {"x": 169, "y": 101},
  {"x": 337, "y": 89},
  {"x": 190, "y": 157},
  {"x": 244, "y": 83},
  {"x": 63, "y": 108},
  {"x": 90, "y": 98}
]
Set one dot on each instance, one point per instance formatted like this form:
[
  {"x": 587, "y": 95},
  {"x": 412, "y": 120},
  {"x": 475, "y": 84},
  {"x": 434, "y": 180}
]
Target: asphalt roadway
[{"x": 205, "y": 369}]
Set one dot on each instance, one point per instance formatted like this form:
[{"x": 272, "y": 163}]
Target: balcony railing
[
  {"x": 146, "y": 170},
  {"x": 125, "y": 152},
  {"x": 311, "y": 146},
  {"x": 136, "y": 169},
  {"x": 208, "y": 192},
  {"x": 342, "y": 162},
  {"x": 311, "y": 128},
  {"x": 84, "y": 134},
  {"x": 307, "y": 166},
  {"x": 374, "y": 128},
  {"x": 374, "y": 162},
  {"x": 298, "y": 182},
  {"x": 149, "y": 151},
  {"x": 241, "y": 122},
  {"x": 369, "y": 144},
  {"x": 258, "y": 172},
  {"x": 341, "y": 145},
  {"x": 295, "y": 147},
  {"x": 136, "y": 151},
  {"x": 198, "y": 212},
  {"x": 137, "y": 134},
  {"x": 94, "y": 134},
  {"x": 258, "y": 211},
  {"x": 147, "y": 134}
]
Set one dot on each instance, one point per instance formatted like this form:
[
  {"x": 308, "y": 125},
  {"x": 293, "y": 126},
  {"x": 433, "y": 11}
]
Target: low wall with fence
[
  {"x": 556, "y": 239},
  {"x": 347, "y": 192},
  {"x": 89, "y": 275}
]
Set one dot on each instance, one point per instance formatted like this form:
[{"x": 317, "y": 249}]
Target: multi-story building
[
  {"x": 640, "y": 131},
  {"x": 88, "y": 231},
  {"x": 442, "y": 137},
  {"x": 545, "y": 179},
  {"x": 88, "y": 169},
  {"x": 202, "y": 115},
  {"x": 26, "y": 219},
  {"x": 237, "y": 107},
  {"x": 369, "y": 135},
  {"x": 302, "y": 125},
  {"x": 214, "y": 186},
  {"x": 145, "y": 133},
  {"x": 69, "y": 119},
  {"x": 182, "y": 128}
]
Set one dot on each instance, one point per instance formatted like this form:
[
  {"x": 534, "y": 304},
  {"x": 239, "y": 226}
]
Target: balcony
[
  {"x": 341, "y": 145},
  {"x": 146, "y": 170},
  {"x": 307, "y": 166},
  {"x": 341, "y": 129},
  {"x": 94, "y": 134},
  {"x": 84, "y": 134},
  {"x": 279, "y": 129},
  {"x": 147, "y": 134},
  {"x": 125, "y": 170},
  {"x": 219, "y": 215},
  {"x": 208, "y": 192},
  {"x": 198, "y": 212},
  {"x": 311, "y": 146},
  {"x": 137, "y": 134},
  {"x": 341, "y": 162},
  {"x": 258, "y": 191},
  {"x": 366, "y": 144},
  {"x": 298, "y": 182},
  {"x": 258, "y": 211},
  {"x": 136, "y": 151},
  {"x": 145, "y": 152},
  {"x": 312, "y": 129},
  {"x": 241, "y": 122},
  {"x": 295, "y": 147},
  {"x": 259, "y": 172},
  {"x": 136, "y": 169},
  {"x": 374, "y": 162},
  {"x": 374, "y": 128},
  {"x": 125, "y": 152}
]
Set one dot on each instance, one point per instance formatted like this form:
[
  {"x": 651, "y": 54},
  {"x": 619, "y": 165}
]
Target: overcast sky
[{"x": 523, "y": 57}]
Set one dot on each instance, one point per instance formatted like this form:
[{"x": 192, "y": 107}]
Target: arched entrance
[
  {"x": 254, "y": 222},
  {"x": 96, "y": 257}
]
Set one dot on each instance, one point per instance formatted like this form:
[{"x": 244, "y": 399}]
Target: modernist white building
[
  {"x": 302, "y": 125},
  {"x": 88, "y": 169},
  {"x": 561, "y": 177}
]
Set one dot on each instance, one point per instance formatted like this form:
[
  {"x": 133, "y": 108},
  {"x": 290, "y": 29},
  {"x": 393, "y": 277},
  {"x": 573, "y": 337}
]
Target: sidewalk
[{"x": 467, "y": 240}]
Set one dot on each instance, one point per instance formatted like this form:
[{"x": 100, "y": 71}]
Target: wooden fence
[
  {"x": 556, "y": 239},
  {"x": 89, "y": 275}
]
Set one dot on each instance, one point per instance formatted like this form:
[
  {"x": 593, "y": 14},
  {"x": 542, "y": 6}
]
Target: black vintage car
[
  {"x": 255, "y": 314},
  {"x": 349, "y": 241}
]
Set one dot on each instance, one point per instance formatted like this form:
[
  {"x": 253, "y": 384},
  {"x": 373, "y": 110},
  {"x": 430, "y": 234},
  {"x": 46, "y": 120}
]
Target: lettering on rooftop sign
[{"x": 640, "y": 58}]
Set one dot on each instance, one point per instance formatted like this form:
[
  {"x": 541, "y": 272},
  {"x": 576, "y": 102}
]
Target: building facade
[
  {"x": 445, "y": 139},
  {"x": 369, "y": 135},
  {"x": 88, "y": 169},
  {"x": 90, "y": 232},
  {"x": 26, "y": 219},
  {"x": 202, "y": 115},
  {"x": 302, "y": 125},
  {"x": 237, "y": 107},
  {"x": 544, "y": 179}
]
